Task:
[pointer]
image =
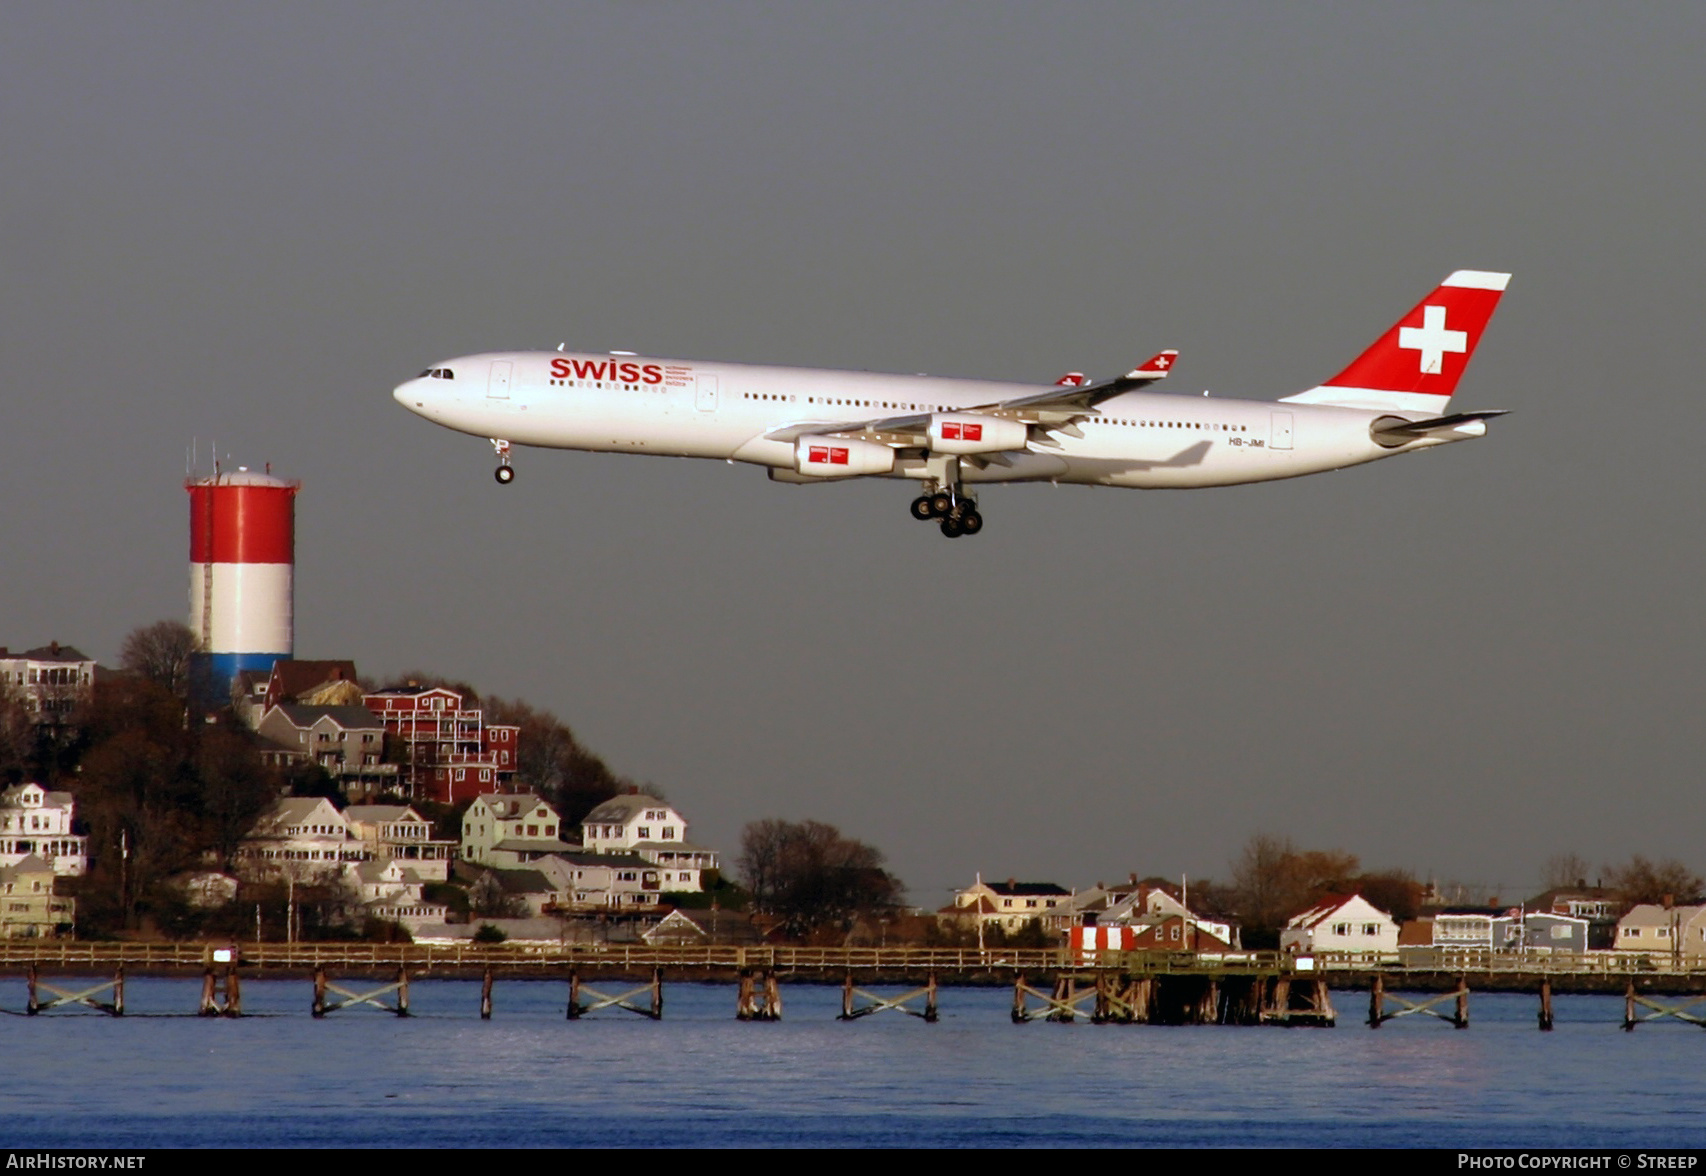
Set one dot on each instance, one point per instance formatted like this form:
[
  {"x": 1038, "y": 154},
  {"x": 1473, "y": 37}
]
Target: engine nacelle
[
  {"x": 839, "y": 457},
  {"x": 970, "y": 432}
]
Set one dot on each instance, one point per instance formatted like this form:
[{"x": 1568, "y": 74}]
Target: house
[
  {"x": 1673, "y": 933},
  {"x": 1469, "y": 927},
  {"x": 1508, "y": 929},
  {"x": 1599, "y": 905},
  {"x": 448, "y": 756},
  {"x": 1168, "y": 931},
  {"x": 51, "y": 681},
  {"x": 510, "y": 830},
  {"x": 714, "y": 927},
  {"x": 602, "y": 881},
  {"x": 29, "y": 908},
  {"x": 300, "y": 839},
  {"x": 317, "y": 683},
  {"x": 1008, "y": 905},
  {"x": 346, "y": 741},
  {"x": 1148, "y": 904},
  {"x": 398, "y": 831},
  {"x": 644, "y": 825},
  {"x": 390, "y": 890},
  {"x": 36, "y": 822},
  {"x": 1348, "y": 924}
]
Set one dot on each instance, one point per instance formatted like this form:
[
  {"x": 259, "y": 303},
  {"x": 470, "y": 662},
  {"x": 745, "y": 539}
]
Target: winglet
[
  {"x": 1155, "y": 367},
  {"x": 1072, "y": 380}
]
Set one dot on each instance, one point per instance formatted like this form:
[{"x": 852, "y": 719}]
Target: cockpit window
[{"x": 438, "y": 374}]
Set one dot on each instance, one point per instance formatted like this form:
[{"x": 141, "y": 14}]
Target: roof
[
  {"x": 53, "y": 653},
  {"x": 1013, "y": 889},
  {"x": 296, "y": 676},
  {"x": 672, "y": 847},
  {"x": 524, "y": 882},
  {"x": 1329, "y": 905},
  {"x": 621, "y": 809},
  {"x": 612, "y": 860},
  {"x": 293, "y": 810},
  {"x": 1651, "y": 914},
  {"x": 525, "y": 845},
  {"x": 512, "y": 804},
  {"x": 11, "y": 797},
  {"x": 350, "y": 717},
  {"x": 29, "y": 864},
  {"x": 376, "y": 814}
]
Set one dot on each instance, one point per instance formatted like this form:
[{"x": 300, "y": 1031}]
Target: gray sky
[{"x": 249, "y": 222}]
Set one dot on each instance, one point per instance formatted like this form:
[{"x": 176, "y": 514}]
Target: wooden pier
[{"x": 1107, "y": 988}]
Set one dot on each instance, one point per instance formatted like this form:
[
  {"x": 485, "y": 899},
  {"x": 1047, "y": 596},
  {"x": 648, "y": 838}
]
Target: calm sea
[{"x": 531, "y": 1078}]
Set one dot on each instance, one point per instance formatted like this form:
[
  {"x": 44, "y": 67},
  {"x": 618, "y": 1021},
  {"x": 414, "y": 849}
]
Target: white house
[
  {"x": 398, "y": 831},
  {"x": 1008, "y": 905},
  {"x": 392, "y": 890},
  {"x": 1342, "y": 924},
  {"x": 645, "y": 825},
  {"x": 510, "y": 830},
  {"x": 1676, "y": 932},
  {"x": 29, "y": 908},
  {"x": 303, "y": 838},
  {"x": 36, "y": 821}
]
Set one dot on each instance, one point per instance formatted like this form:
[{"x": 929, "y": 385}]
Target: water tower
[{"x": 242, "y": 574}]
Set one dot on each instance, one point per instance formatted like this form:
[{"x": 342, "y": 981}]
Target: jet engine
[
  {"x": 841, "y": 457},
  {"x": 969, "y": 432}
]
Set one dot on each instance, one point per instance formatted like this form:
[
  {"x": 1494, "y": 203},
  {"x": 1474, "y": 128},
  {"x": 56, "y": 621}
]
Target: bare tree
[
  {"x": 1640, "y": 880},
  {"x": 811, "y": 876},
  {"x": 161, "y": 653},
  {"x": 1563, "y": 870},
  {"x": 552, "y": 762},
  {"x": 1275, "y": 880}
]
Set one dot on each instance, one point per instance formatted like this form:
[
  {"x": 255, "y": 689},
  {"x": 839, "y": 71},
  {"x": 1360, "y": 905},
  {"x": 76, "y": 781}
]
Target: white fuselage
[{"x": 635, "y": 404}]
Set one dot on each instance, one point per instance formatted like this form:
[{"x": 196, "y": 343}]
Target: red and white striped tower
[{"x": 242, "y": 573}]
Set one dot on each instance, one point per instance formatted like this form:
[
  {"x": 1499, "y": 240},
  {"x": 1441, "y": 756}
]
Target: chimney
[{"x": 1133, "y": 877}]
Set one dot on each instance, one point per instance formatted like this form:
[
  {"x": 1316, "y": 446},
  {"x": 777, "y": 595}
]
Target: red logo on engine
[
  {"x": 955, "y": 431},
  {"x": 827, "y": 455}
]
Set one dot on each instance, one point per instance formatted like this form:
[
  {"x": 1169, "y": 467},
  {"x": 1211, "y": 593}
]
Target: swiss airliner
[{"x": 952, "y": 435}]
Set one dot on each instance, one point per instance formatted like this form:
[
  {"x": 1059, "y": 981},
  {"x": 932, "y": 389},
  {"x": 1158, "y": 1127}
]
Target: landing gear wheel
[
  {"x": 952, "y": 527},
  {"x": 971, "y": 522},
  {"x": 941, "y": 504},
  {"x": 922, "y": 510},
  {"x": 504, "y": 474}
]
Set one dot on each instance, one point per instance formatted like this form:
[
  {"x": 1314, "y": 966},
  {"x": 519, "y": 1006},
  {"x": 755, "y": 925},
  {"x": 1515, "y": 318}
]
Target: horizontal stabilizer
[{"x": 1394, "y": 426}]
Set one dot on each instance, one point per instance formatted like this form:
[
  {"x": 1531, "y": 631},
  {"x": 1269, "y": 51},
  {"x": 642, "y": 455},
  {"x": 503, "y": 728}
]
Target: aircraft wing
[
  {"x": 1054, "y": 408},
  {"x": 1063, "y": 402}
]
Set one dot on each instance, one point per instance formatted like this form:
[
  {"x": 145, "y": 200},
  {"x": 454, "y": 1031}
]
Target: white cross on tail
[{"x": 1432, "y": 340}]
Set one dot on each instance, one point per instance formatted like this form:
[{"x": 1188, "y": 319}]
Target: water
[{"x": 531, "y": 1078}]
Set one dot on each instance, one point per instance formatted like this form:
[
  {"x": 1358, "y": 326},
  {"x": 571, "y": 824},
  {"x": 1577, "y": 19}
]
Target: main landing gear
[
  {"x": 958, "y": 515},
  {"x": 505, "y": 473}
]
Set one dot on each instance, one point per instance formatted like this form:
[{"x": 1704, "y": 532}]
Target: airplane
[{"x": 951, "y": 435}]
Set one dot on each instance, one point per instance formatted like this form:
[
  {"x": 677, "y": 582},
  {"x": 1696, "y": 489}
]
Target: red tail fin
[{"x": 1416, "y": 364}]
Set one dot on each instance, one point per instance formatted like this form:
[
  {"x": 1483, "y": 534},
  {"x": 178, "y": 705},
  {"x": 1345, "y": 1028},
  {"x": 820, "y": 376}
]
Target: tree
[
  {"x": 1640, "y": 880},
  {"x": 810, "y": 876},
  {"x": 1564, "y": 870},
  {"x": 553, "y": 763},
  {"x": 1273, "y": 880},
  {"x": 161, "y": 653}
]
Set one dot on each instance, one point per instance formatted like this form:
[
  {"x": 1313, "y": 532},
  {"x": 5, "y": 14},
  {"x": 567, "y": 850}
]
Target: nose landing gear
[{"x": 505, "y": 473}]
